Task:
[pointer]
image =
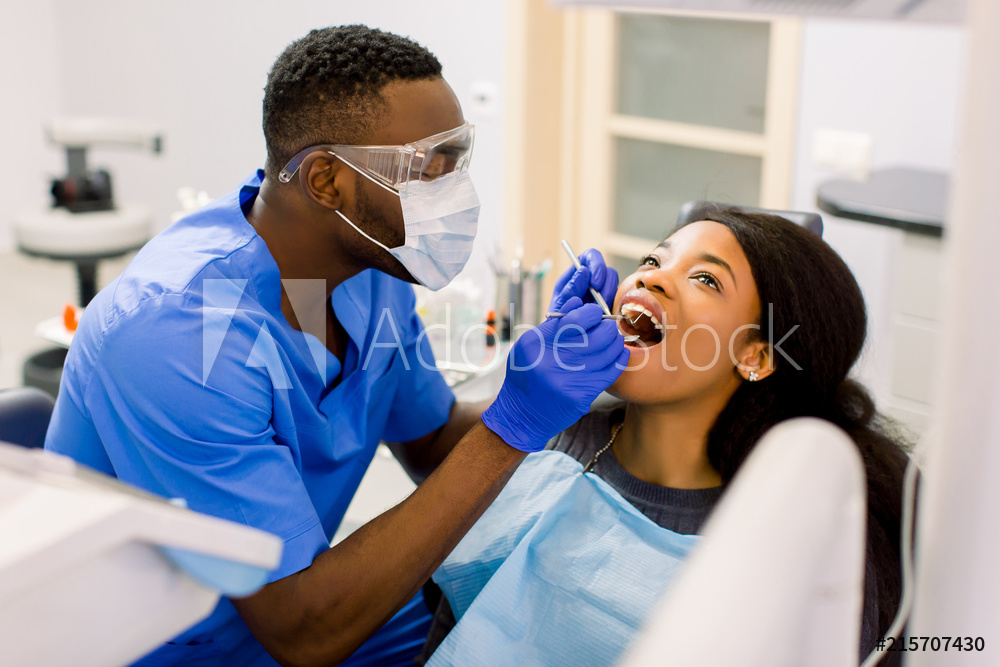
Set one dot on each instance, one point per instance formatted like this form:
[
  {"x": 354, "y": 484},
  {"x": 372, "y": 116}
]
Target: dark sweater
[{"x": 681, "y": 510}]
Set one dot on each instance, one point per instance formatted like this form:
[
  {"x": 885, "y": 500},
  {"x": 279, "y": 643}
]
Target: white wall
[
  {"x": 900, "y": 84},
  {"x": 199, "y": 68},
  {"x": 28, "y": 81}
]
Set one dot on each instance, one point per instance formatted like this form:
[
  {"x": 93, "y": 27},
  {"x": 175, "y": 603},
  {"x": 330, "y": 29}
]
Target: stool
[{"x": 84, "y": 239}]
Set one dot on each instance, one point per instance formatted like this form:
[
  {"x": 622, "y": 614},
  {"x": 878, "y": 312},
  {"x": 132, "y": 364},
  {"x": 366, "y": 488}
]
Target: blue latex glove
[
  {"x": 595, "y": 273},
  {"x": 554, "y": 372}
]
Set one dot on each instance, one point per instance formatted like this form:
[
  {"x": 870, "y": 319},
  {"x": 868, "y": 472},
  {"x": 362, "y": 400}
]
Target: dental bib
[{"x": 560, "y": 570}]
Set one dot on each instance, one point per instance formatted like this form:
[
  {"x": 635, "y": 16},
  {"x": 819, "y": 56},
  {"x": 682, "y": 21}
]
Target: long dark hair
[{"x": 802, "y": 281}]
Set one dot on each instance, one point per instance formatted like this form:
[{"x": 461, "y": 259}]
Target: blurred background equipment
[
  {"x": 520, "y": 293},
  {"x": 85, "y": 224}
]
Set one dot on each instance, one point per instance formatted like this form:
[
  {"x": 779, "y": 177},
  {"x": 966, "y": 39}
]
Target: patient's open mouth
[{"x": 639, "y": 321}]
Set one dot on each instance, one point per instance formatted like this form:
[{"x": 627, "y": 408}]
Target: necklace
[{"x": 603, "y": 449}]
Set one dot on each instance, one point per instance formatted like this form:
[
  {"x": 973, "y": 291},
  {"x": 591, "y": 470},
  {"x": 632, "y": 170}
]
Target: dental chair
[
  {"x": 779, "y": 574},
  {"x": 24, "y": 416},
  {"x": 693, "y": 211}
]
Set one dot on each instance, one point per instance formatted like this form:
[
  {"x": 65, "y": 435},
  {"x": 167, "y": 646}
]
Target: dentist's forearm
[{"x": 322, "y": 614}]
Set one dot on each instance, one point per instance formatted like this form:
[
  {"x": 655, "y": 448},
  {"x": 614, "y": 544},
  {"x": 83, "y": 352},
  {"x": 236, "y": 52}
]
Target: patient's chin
[{"x": 631, "y": 386}]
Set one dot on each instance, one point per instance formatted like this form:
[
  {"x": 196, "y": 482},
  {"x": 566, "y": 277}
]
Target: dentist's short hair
[{"x": 327, "y": 87}]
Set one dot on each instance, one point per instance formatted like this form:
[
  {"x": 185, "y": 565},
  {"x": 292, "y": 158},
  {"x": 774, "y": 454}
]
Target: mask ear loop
[
  {"x": 358, "y": 230},
  {"x": 376, "y": 182}
]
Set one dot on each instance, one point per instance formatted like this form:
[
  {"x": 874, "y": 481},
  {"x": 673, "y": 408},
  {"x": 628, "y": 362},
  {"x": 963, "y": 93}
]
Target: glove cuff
[{"x": 495, "y": 421}]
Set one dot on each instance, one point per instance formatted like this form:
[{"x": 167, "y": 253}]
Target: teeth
[
  {"x": 630, "y": 338},
  {"x": 635, "y": 310}
]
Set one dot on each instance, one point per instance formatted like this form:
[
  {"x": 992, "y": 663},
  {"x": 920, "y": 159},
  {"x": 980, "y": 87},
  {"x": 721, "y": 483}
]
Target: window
[{"x": 645, "y": 112}]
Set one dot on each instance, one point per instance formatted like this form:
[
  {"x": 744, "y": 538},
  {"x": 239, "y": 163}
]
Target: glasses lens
[
  {"x": 395, "y": 166},
  {"x": 452, "y": 153},
  {"x": 383, "y": 163}
]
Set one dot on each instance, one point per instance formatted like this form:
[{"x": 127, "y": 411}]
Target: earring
[{"x": 753, "y": 376}]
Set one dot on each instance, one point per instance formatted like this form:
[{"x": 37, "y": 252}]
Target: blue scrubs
[{"x": 185, "y": 379}]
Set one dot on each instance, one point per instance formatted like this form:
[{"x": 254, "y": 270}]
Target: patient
[{"x": 702, "y": 386}]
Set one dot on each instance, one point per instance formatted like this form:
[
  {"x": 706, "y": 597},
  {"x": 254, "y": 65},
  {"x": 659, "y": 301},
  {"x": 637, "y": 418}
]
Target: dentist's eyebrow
[{"x": 707, "y": 257}]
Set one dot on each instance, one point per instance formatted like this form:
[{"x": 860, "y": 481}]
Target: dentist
[{"x": 252, "y": 356}]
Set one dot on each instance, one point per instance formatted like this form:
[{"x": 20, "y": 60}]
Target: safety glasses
[{"x": 394, "y": 167}]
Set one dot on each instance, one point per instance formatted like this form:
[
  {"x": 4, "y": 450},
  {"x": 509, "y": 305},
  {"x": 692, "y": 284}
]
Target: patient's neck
[{"x": 668, "y": 445}]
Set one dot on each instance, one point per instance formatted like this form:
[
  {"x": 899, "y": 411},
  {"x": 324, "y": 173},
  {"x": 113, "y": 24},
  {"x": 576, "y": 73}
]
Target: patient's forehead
[
  {"x": 707, "y": 237},
  {"x": 697, "y": 236}
]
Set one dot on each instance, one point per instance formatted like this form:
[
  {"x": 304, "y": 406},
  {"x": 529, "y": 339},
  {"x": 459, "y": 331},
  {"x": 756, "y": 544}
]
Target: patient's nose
[{"x": 658, "y": 281}]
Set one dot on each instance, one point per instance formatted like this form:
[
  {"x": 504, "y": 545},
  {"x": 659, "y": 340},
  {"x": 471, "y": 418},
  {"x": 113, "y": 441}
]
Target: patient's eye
[
  {"x": 708, "y": 279},
  {"x": 650, "y": 260}
]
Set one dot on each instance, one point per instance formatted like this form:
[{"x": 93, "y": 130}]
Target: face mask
[{"x": 440, "y": 219}]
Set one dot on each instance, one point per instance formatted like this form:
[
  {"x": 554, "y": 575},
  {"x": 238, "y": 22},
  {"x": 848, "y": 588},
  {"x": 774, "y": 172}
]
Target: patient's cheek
[
  {"x": 634, "y": 386},
  {"x": 702, "y": 348}
]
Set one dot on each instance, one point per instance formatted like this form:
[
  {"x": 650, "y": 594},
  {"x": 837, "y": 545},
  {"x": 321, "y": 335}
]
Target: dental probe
[
  {"x": 607, "y": 317},
  {"x": 593, "y": 292},
  {"x": 597, "y": 295}
]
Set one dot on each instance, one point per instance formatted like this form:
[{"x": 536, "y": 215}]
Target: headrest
[{"x": 693, "y": 211}]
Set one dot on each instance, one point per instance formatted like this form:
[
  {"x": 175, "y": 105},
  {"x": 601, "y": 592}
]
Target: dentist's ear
[
  {"x": 755, "y": 361},
  {"x": 324, "y": 180}
]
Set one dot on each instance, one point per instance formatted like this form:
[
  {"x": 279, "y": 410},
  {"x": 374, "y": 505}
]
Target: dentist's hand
[
  {"x": 577, "y": 283},
  {"x": 554, "y": 372}
]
